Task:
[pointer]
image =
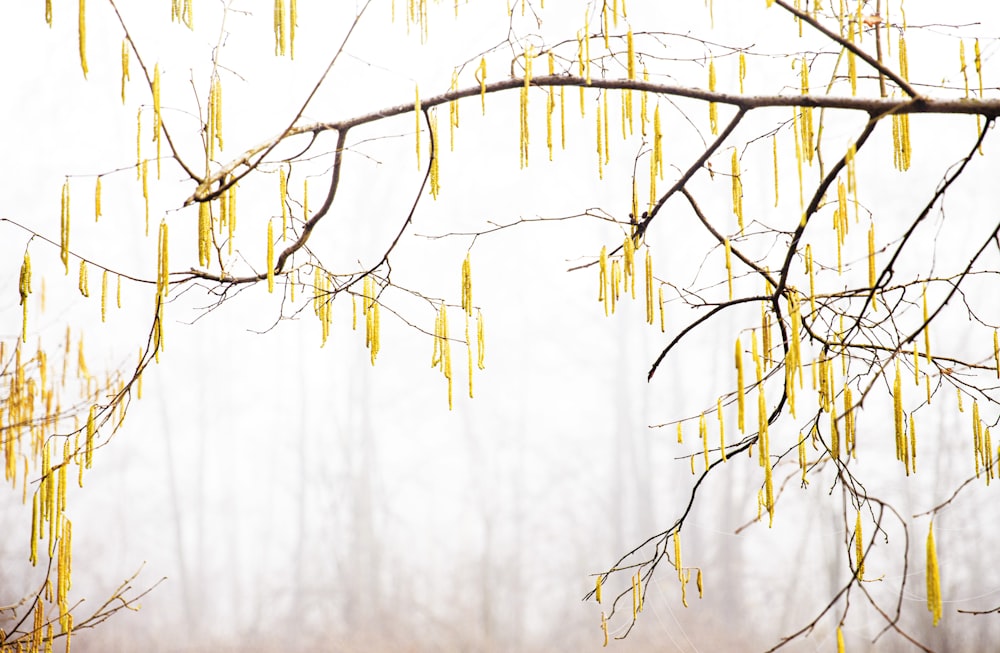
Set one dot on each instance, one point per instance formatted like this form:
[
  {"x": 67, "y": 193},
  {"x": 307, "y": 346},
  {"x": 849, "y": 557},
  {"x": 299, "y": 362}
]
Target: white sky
[{"x": 291, "y": 492}]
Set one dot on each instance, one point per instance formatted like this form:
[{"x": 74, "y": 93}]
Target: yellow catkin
[
  {"x": 807, "y": 121},
  {"x": 859, "y": 549},
  {"x": 852, "y": 177},
  {"x": 803, "y": 460},
  {"x": 84, "y": 288},
  {"x": 852, "y": 67},
  {"x": 283, "y": 198},
  {"x": 416, "y": 117},
  {"x": 774, "y": 149},
  {"x": 635, "y": 598},
  {"x": 441, "y": 357},
  {"x": 24, "y": 289},
  {"x": 740, "y": 398},
  {"x": 737, "y": 190},
  {"x": 722, "y": 428},
  {"x": 145, "y": 192},
  {"x": 729, "y": 268},
  {"x": 649, "y": 295},
  {"x": 600, "y": 145},
  {"x": 480, "y": 342},
  {"x": 977, "y": 434},
  {"x": 293, "y": 21},
  {"x": 996, "y": 352},
  {"x": 217, "y": 112},
  {"x": 677, "y": 554},
  {"x": 481, "y": 78},
  {"x": 897, "y": 409},
  {"x": 607, "y": 138},
  {"x": 644, "y": 102},
  {"x": 798, "y": 157},
  {"x": 663, "y": 321},
  {"x": 658, "y": 141},
  {"x": 713, "y": 110},
  {"x": 64, "y": 225},
  {"x": 602, "y": 293},
  {"x": 104, "y": 296},
  {"x": 270, "y": 257},
  {"x": 138, "y": 144},
  {"x": 597, "y": 588},
  {"x": 97, "y": 199},
  {"x": 628, "y": 254},
  {"x": 743, "y": 70},
  {"x": 280, "y": 35},
  {"x": 562, "y": 116},
  {"x": 934, "y": 603},
  {"x": 91, "y": 432},
  {"x": 550, "y": 107},
  {"x": 871, "y": 263},
  {"x": 82, "y": 32},
  {"x": 812, "y": 279},
  {"x": 524, "y": 133},
  {"x": 680, "y": 432},
  {"x": 703, "y": 434},
  {"x": 204, "y": 235},
  {"x": 979, "y": 66},
  {"x": 231, "y": 215},
  {"x": 927, "y": 328},
  {"x": 840, "y": 640},
  {"x": 849, "y": 421},
  {"x": 604, "y": 627},
  {"x": 157, "y": 116},
  {"x": 453, "y": 109},
  {"x": 435, "y": 157},
  {"x": 913, "y": 444}
]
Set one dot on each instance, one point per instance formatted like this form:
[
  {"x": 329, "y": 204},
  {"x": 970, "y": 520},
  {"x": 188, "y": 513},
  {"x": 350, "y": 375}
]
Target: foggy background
[{"x": 297, "y": 498}]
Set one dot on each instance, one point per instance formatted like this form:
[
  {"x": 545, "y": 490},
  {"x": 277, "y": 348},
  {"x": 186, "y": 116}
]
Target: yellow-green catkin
[{"x": 934, "y": 603}]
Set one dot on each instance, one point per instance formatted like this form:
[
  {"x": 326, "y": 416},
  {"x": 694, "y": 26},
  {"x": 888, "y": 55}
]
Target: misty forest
[{"x": 499, "y": 325}]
